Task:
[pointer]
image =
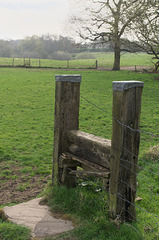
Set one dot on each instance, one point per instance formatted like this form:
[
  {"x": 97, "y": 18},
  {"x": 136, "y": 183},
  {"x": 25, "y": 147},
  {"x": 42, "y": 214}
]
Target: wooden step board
[
  {"x": 73, "y": 161},
  {"x": 89, "y": 173},
  {"x": 69, "y": 163}
]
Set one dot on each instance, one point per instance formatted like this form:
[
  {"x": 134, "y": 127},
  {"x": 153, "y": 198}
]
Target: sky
[{"x": 22, "y": 18}]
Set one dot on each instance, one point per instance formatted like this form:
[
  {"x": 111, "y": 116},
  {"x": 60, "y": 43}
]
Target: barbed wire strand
[
  {"x": 117, "y": 195},
  {"x": 123, "y": 198},
  {"x": 119, "y": 179},
  {"x": 138, "y": 166},
  {"x": 139, "y": 158},
  {"x": 124, "y": 125},
  {"x": 93, "y": 104},
  {"x": 135, "y": 130}
]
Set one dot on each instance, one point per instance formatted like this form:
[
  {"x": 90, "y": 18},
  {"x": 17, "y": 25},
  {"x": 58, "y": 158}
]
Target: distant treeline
[{"x": 48, "y": 47}]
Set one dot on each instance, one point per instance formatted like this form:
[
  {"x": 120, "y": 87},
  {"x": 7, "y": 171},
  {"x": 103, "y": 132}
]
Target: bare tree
[
  {"x": 147, "y": 32},
  {"x": 109, "y": 21}
]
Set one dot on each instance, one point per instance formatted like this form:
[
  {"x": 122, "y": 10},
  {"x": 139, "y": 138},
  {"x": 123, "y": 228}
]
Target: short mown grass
[
  {"x": 27, "y": 127},
  {"x": 11, "y": 231}
]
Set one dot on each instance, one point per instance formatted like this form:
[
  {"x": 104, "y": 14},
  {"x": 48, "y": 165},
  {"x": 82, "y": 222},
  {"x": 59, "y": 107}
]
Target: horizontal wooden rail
[
  {"x": 88, "y": 173},
  {"x": 90, "y": 147},
  {"x": 72, "y": 161}
]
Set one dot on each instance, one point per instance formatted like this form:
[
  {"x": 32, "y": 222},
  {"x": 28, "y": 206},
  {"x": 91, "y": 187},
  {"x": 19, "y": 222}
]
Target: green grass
[
  {"x": 127, "y": 59},
  {"x": 105, "y": 60},
  {"x": 26, "y": 117},
  {"x": 88, "y": 210},
  {"x": 27, "y": 126},
  {"x": 48, "y": 63},
  {"x": 11, "y": 231},
  {"x": 27, "y": 111}
]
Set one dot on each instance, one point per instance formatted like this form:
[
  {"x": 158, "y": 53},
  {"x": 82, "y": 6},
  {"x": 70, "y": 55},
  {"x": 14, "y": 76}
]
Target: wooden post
[
  {"x": 125, "y": 149},
  {"x": 68, "y": 64},
  {"x": 67, "y": 99},
  {"x": 135, "y": 68},
  {"x": 96, "y": 64}
]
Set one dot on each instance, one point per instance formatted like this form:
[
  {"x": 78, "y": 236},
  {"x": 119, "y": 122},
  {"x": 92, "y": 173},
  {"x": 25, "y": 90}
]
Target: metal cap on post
[
  {"x": 67, "y": 100},
  {"x": 76, "y": 78},
  {"x": 125, "y": 85},
  {"x": 124, "y": 148}
]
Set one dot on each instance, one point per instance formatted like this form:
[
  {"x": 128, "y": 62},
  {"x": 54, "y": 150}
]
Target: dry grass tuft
[{"x": 153, "y": 153}]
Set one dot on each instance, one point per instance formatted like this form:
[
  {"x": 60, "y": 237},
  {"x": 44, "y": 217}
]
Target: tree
[
  {"x": 5, "y": 48},
  {"x": 110, "y": 21},
  {"x": 44, "y": 47},
  {"x": 147, "y": 32}
]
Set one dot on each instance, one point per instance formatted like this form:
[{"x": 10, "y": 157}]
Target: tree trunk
[
  {"x": 116, "y": 66},
  {"x": 156, "y": 66}
]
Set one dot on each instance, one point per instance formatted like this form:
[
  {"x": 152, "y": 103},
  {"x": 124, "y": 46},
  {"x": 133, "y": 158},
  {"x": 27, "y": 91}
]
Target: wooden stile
[{"x": 114, "y": 161}]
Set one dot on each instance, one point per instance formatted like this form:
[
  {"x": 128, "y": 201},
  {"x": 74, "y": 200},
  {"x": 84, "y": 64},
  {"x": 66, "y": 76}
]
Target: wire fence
[
  {"x": 68, "y": 64},
  {"x": 48, "y": 63},
  {"x": 147, "y": 196}
]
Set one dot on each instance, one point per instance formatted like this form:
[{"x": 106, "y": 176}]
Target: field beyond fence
[{"x": 134, "y": 62}]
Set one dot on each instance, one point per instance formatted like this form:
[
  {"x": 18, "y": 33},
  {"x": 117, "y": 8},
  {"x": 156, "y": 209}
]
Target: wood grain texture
[
  {"x": 67, "y": 158},
  {"x": 67, "y": 100},
  {"x": 90, "y": 147},
  {"x": 125, "y": 148},
  {"x": 89, "y": 173}
]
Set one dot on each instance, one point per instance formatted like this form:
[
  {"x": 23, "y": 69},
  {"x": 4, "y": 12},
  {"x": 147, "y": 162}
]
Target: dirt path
[{"x": 21, "y": 188}]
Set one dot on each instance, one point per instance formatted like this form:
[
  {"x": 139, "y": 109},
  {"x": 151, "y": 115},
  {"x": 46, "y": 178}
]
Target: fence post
[
  {"x": 135, "y": 68},
  {"x": 96, "y": 64},
  {"x": 125, "y": 149},
  {"x": 67, "y": 99},
  {"x": 68, "y": 64}
]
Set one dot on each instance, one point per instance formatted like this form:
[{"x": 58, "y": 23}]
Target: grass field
[
  {"x": 27, "y": 126},
  {"x": 127, "y": 59},
  {"x": 105, "y": 60}
]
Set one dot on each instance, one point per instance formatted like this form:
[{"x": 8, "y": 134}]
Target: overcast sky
[{"x": 21, "y": 18}]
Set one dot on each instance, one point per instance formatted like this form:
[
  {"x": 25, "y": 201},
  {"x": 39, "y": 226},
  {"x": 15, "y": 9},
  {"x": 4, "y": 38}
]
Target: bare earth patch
[{"x": 23, "y": 188}]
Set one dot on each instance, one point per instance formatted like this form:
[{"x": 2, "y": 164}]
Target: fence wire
[{"x": 147, "y": 188}]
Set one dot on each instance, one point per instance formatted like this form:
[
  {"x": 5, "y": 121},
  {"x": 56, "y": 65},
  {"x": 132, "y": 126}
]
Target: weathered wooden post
[
  {"x": 125, "y": 149},
  {"x": 96, "y": 64},
  {"x": 135, "y": 68},
  {"x": 68, "y": 64},
  {"x": 67, "y": 99}
]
